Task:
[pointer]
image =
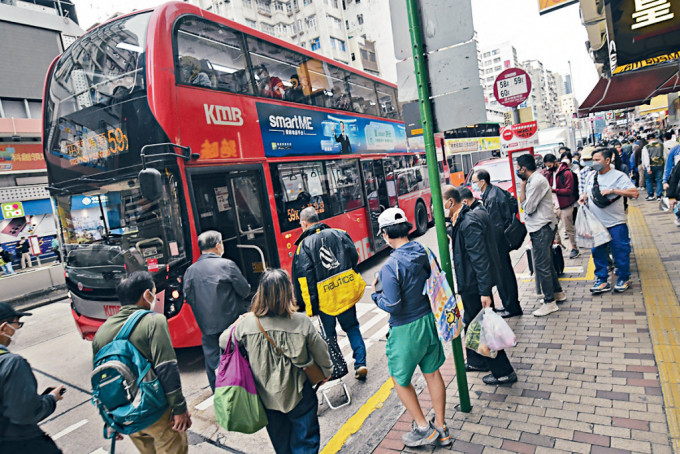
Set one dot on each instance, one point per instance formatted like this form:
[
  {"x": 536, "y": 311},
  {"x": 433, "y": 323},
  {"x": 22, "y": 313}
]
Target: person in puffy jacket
[
  {"x": 412, "y": 340},
  {"x": 326, "y": 284},
  {"x": 474, "y": 251}
]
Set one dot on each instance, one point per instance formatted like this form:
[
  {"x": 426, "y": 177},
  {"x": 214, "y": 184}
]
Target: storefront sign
[
  {"x": 12, "y": 210},
  {"x": 471, "y": 144},
  {"x": 640, "y": 31},
  {"x": 522, "y": 135},
  {"x": 21, "y": 156}
]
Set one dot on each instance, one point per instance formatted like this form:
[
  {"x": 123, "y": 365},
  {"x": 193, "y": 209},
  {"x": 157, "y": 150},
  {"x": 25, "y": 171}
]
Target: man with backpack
[
  {"x": 21, "y": 407},
  {"x": 653, "y": 161},
  {"x": 502, "y": 208},
  {"x": 164, "y": 429}
]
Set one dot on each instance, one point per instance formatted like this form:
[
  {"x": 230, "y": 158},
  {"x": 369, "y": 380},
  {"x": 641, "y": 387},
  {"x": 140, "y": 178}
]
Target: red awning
[{"x": 631, "y": 89}]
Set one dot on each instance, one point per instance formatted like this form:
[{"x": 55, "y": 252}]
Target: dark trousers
[
  {"x": 296, "y": 432},
  {"x": 38, "y": 445},
  {"x": 350, "y": 324},
  {"x": 500, "y": 365},
  {"x": 506, "y": 281},
  {"x": 211, "y": 353},
  {"x": 544, "y": 270}
]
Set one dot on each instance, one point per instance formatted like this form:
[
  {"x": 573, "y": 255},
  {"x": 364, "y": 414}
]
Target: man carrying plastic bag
[
  {"x": 604, "y": 192},
  {"x": 489, "y": 334}
]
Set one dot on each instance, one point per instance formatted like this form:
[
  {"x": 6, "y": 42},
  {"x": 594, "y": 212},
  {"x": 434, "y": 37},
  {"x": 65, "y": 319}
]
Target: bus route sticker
[{"x": 152, "y": 265}]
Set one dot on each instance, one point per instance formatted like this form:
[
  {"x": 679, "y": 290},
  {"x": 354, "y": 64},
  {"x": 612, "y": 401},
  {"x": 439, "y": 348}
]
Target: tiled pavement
[{"x": 588, "y": 379}]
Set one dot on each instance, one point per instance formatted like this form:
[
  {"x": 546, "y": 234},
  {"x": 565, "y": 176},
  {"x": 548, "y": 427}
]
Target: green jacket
[
  {"x": 152, "y": 338},
  {"x": 278, "y": 381}
]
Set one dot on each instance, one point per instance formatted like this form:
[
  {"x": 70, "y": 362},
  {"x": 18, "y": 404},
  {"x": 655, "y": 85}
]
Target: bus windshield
[{"x": 116, "y": 228}]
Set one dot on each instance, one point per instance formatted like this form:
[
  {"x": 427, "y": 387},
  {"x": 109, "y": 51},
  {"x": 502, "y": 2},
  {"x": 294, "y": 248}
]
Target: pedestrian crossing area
[{"x": 373, "y": 325}]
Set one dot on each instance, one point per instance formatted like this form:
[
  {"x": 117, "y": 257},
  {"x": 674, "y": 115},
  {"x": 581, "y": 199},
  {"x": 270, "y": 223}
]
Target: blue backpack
[{"x": 125, "y": 388}]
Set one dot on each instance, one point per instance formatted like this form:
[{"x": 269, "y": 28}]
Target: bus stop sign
[{"x": 512, "y": 87}]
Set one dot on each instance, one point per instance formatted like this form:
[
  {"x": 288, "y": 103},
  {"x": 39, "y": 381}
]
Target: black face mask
[{"x": 520, "y": 175}]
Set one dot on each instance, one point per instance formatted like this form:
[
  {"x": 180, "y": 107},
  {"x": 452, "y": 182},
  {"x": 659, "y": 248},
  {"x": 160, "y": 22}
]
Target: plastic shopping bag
[
  {"x": 488, "y": 333},
  {"x": 589, "y": 230}
]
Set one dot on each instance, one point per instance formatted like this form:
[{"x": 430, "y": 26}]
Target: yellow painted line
[
  {"x": 590, "y": 274},
  {"x": 663, "y": 309},
  {"x": 354, "y": 423}
]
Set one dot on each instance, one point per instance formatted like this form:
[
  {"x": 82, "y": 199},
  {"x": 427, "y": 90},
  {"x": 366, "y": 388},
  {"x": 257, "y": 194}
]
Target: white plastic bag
[
  {"x": 497, "y": 332},
  {"x": 589, "y": 230},
  {"x": 475, "y": 338}
]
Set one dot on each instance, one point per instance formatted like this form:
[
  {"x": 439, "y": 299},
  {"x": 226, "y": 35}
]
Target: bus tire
[{"x": 420, "y": 218}]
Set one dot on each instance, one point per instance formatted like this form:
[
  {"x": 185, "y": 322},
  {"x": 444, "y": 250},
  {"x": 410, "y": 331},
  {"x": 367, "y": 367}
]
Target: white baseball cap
[{"x": 391, "y": 216}]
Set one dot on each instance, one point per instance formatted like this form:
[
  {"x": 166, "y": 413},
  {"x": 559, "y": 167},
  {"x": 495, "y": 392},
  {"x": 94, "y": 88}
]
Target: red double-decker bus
[{"x": 245, "y": 129}]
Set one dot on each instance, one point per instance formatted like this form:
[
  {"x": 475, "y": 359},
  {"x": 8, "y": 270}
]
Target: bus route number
[{"x": 294, "y": 215}]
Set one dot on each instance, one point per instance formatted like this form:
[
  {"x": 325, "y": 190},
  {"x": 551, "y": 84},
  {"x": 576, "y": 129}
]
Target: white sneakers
[{"x": 546, "y": 309}]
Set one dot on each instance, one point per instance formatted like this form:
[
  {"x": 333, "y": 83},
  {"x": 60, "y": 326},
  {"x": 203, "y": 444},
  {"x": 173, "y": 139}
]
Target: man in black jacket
[
  {"x": 474, "y": 248},
  {"x": 326, "y": 284},
  {"x": 502, "y": 208},
  {"x": 215, "y": 289},
  {"x": 21, "y": 407}
]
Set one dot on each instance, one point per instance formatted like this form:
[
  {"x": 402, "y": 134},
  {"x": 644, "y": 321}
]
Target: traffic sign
[
  {"x": 512, "y": 87},
  {"x": 522, "y": 135}
]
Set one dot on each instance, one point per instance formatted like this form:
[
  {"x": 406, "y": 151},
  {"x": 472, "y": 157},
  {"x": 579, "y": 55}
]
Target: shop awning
[{"x": 631, "y": 89}]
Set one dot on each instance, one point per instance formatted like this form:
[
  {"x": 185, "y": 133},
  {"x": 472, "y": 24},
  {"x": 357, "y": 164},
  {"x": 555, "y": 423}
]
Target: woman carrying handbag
[{"x": 280, "y": 344}]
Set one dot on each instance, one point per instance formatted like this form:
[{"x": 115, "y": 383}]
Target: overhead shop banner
[
  {"x": 546, "y": 6},
  {"x": 289, "y": 131},
  {"x": 21, "y": 157},
  {"x": 642, "y": 33}
]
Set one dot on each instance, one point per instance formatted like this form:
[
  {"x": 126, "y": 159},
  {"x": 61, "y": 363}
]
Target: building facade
[{"x": 38, "y": 31}]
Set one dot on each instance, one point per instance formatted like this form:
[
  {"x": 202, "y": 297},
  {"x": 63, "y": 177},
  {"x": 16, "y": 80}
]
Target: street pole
[{"x": 422, "y": 79}]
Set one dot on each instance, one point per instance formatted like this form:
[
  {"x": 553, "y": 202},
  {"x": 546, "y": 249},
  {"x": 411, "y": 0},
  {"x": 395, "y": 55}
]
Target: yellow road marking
[
  {"x": 663, "y": 310},
  {"x": 354, "y": 423},
  {"x": 590, "y": 274}
]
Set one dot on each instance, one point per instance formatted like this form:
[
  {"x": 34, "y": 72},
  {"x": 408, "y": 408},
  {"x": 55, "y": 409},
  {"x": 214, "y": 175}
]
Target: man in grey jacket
[
  {"x": 216, "y": 290},
  {"x": 21, "y": 407}
]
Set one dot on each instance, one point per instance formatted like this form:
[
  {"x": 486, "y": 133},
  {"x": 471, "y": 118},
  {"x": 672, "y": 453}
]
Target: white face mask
[
  {"x": 152, "y": 303},
  {"x": 14, "y": 335},
  {"x": 446, "y": 210}
]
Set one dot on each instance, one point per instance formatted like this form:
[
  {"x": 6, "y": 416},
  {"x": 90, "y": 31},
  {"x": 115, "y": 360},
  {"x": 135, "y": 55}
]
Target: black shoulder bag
[{"x": 599, "y": 199}]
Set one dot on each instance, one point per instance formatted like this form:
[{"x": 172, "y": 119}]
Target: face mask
[
  {"x": 475, "y": 187},
  {"x": 152, "y": 303},
  {"x": 588, "y": 163},
  {"x": 597, "y": 166},
  {"x": 446, "y": 210},
  {"x": 566, "y": 161},
  {"x": 13, "y": 337},
  {"x": 520, "y": 175}
]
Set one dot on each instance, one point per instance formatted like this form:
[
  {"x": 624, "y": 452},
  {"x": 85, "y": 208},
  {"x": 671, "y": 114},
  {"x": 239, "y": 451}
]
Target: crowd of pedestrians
[{"x": 274, "y": 330}]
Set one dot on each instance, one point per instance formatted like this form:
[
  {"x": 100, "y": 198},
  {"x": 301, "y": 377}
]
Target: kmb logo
[{"x": 223, "y": 115}]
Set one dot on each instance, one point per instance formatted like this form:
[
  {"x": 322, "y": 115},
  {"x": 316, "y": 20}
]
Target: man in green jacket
[{"x": 152, "y": 338}]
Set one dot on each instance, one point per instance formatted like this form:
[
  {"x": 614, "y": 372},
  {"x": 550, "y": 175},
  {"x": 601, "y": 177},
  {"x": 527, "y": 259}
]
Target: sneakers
[
  {"x": 507, "y": 380},
  {"x": 444, "y": 437},
  {"x": 621, "y": 286},
  {"x": 360, "y": 373},
  {"x": 677, "y": 221},
  {"x": 421, "y": 437},
  {"x": 650, "y": 198},
  {"x": 600, "y": 286},
  {"x": 545, "y": 309},
  {"x": 574, "y": 254},
  {"x": 560, "y": 297}
]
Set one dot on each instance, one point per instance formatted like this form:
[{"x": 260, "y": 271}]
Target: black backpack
[{"x": 673, "y": 190}]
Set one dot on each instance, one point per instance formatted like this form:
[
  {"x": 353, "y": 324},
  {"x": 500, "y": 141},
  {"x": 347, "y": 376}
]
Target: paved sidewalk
[{"x": 588, "y": 378}]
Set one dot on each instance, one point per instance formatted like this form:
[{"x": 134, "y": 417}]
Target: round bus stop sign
[{"x": 512, "y": 87}]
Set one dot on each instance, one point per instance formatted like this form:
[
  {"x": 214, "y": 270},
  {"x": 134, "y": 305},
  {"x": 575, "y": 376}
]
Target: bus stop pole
[{"x": 435, "y": 183}]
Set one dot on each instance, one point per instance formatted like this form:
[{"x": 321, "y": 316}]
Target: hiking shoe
[
  {"x": 444, "y": 437},
  {"x": 421, "y": 437},
  {"x": 546, "y": 309},
  {"x": 574, "y": 254},
  {"x": 621, "y": 285},
  {"x": 507, "y": 380},
  {"x": 361, "y": 372},
  {"x": 600, "y": 286},
  {"x": 560, "y": 297}
]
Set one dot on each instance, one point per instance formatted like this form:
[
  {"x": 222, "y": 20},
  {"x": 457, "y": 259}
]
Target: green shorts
[{"x": 411, "y": 345}]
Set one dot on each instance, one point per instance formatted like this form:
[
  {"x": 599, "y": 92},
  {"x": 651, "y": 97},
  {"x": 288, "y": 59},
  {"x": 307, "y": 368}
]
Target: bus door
[
  {"x": 233, "y": 203},
  {"x": 378, "y": 199}
]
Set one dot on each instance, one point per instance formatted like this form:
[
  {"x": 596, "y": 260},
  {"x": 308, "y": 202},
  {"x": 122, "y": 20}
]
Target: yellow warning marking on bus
[
  {"x": 354, "y": 423},
  {"x": 663, "y": 310}
]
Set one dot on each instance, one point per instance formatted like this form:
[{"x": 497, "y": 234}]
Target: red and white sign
[
  {"x": 152, "y": 265},
  {"x": 512, "y": 87},
  {"x": 522, "y": 135}
]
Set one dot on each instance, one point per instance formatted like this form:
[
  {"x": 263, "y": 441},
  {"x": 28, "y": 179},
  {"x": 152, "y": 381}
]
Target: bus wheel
[{"x": 421, "y": 218}]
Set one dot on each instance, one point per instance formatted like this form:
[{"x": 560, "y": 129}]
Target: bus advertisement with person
[{"x": 245, "y": 131}]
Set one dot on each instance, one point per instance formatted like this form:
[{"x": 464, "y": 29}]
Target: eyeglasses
[{"x": 19, "y": 324}]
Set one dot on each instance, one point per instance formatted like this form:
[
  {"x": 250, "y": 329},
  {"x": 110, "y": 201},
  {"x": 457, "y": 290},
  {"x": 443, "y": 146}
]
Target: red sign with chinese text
[
  {"x": 512, "y": 87},
  {"x": 21, "y": 156}
]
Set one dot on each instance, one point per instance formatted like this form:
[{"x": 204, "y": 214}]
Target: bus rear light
[{"x": 175, "y": 294}]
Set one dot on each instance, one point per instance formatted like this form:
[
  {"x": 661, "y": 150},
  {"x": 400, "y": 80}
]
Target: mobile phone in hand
[
  {"x": 47, "y": 390},
  {"x": 378, "y": 283}
]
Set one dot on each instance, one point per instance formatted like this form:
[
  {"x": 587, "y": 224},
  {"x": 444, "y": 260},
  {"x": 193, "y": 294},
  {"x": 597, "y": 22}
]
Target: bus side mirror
[{"x": 151, "y": 184}]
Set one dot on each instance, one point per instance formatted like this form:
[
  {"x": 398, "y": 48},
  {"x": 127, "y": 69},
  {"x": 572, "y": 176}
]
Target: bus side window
[
  {"x": 388, "y": 102},
  {"x": 274, "y": 71},
  {"x": 363, "y": 94}
]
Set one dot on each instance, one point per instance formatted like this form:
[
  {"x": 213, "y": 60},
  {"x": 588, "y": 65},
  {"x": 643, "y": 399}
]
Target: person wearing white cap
[
  {"x": 412, "y": 339},
  {"x": 21, "y": 407}
]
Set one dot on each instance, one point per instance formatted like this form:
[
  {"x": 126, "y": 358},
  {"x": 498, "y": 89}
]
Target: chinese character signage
[
  {"x": 545, "y": 6},
  {"x": 290, "y": 131},
  {"x": 21, "y": 156},
  {"x": 642, "y": 32}
]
